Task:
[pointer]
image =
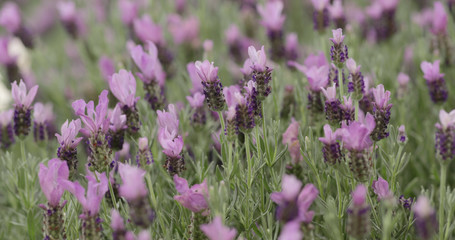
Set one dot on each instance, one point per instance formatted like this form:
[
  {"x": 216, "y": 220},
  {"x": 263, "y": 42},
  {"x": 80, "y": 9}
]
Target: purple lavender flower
[
  {"x": 356, "y": 139},
  {"x": 358, "y": 224},
  {"x": 144, "y": 156},
  {"x": 261, "y": 72},
  {"x": 320, "y": 14},
  {"x": 96, "y": 128},
  {"x": 439, "y": 23},
  {"x": 317, "y": 79},
  {"x": 234, "y": 40},
  {"x": 213, "y": 89},
  {"x": 6, "y": 129},
  {"x": 348, "y": 111},
  {"x": 331, "y": 149},
  {"x": 402, "y": 134},
  {"x": 152, "y": 74},
  {"x": 293, "y": 201},
  {"x": 445, "y": 135},
  {"x": 357, "y": 84},
  {"x": 72, "y": 20},
  {"x": 197, "y": 104},
  {"x": 333, "y": 110},
  {"x": 68, "y": 144},
  {"x": 339, "y": 51},
  {"x": 217, "y": 231},
  {"x": 133, "y": 189},
  {"x": 291, "y": 231},
  {"x": 117, "y": 225},
  {"x": 123, "y": 86},
  {"x": 90, "y": 201},
  {"x": 184, "y": 30},
  {"x": 381, "y": 188},
  {"x": 42, "y": 119},
  {"x": 435, "y": 81},
  {"x": 273, "y": 20},
  {"x": 337, "y": 14},
  {"x": 244, "y": 114},
  {"x": 128, "y": 11},
  {"x": 291, "y": 138},
  {"x": 106, "y": 67},
  {"x": 117, "y": 128},
  {"x": 146, "y": 30},
  {"x": 9, "y": 61},
  {"x": 406, "y": 202},
  {"x": 195, "y": 198},
  {"x": 22, "y": 107},
  {"x": 381, "y": 112},
  {"x": 291, "y": 47},
  {"x": 50, "y": 179},
  {"x": 403, "y": 80},
  {"x": 11, "y": 19},
  {"x": 426, "y": 223}
]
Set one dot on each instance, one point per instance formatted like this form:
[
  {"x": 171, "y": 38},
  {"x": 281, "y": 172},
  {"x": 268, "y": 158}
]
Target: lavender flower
[
  {"x": 50, "y": 179},
  {"x": 356, "y": 139},
  {"x": 184, "y": 30},
  {"x": 96, "y": 128},
  {"x": 402, "y": 138},
  {"x": 244, "y": 114},
  {"x": 117, "y": 225},
  {"x": 293, "y": 201},
  {"x": 133, "y": 189},
  {"x": 357, "y": 84},
  {"x": 128, "y": 11},
  {"x": 445, "y": 135},
  {"x": 197, "y": 104},
  {"x": 273, "y": 21},
  {"x": 337, "y": 14},
  {"x": 348, "y": 111},
  {"x": 317, "y": 79},
  {"x": 403, "y": 80},
  {"x": 213, "y": 89},
  {"x": 439, "y": 23},
  {"x": 106, "y": 67},
  {"x": 291, "y": 231},
  {"x": 116, "y": 128},
  {"x": 339, "y": 51},
  {"x": 42, "y": 119},
  {"x": 358, "y": 224},
  {"x": 435, "y": 81},
  {"x": 381, "y": 112},
  {"x": 152, "y": 74},
  {"x": 331, "y": 149},
  {"x": 217, "y": 231},
  {"x": 426, "y": 223},
  {"x": 22, "y": 107},
  {"x": 9, "y": 61},
  {"x": 234, "y": 40},
  {"x": 195, "y": 198},
  {"x": 381, "y": 188},
  {"x": 68, "y": 144},
  {"x": 71, "y": 20},
  {"x": 261, "y": 72},
  {"x": 406, "y": 202},
  {"x": 11, "y": 19},
  {"x": 320, "y": 14},
  {"x": 6, "y": 129},
  {"x": 91, "y": 221},
  {"x": 144, "y": 156},
  {"x": 291, "y": 47},
  {"x": 123, "y": 86},
  {"x": 253, "y": 101},
  {"x": 291, "y": 138},
  {"x": 333, "y": 110}
]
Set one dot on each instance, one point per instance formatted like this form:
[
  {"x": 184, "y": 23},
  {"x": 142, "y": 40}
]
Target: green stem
[
  {"x": 23, "y": 150},
  {"x": 248, "y": 157},
  {"x": 340, "y": 203},
  {"x": 396, "y": 168},
  {"x": 386, "y": 223},
  {"x": 220, "y": 114},
  {"x": 340, "y": 83},
  {"x": 442, "y": 199},
  {"x": 356, "y": 102}
]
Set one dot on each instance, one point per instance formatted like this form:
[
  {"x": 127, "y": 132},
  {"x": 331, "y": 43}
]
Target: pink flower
[
  {"x": 42, "y": 113},
  {"x": 69, "y": 133},
  {"x": 143, "y": 143},
  {"x": 356, "y": 136},
  {"x": 171, "y": 147},
  {"x": 206, "y": 71},
  {"x": 381, "y": 188},
  {"x": 319, "y": 5},
  {"x": 128, "y": 11},
  {"x": 338, "y": 36},
  {"x": 359, "y": 195},
  {"x": 148, "y": 63},
  {"x": 422, "y": 207},
  {"x": 67, "y": 11},
  {"x": 336, "y": 10},
  {"x": 229, "y": 93},
  {"x": 207, "y": 45},
  {"x": 10, "y": 17},
  {"x": 133, "y": 186},
  {"x": 123, "y": 86},
  {"x": 50, "y": 180},
  {"x": 403, "y": 79},
  {"x": 197, "y": 100},
  {"x": 330, "y": 93},
  {"x": 446, "y": 119},
  {"x": 168, "y": 121},
  {"x": 194, "y": 198},
  {"x": 431, "y": 70},
  {"x": 217, "y": 231},
  {"x": 95, "y": 192},
  {"x": 291, "y": 138},
  {"x": 183, "y": 31},
  {"x": 106, "y": 67},
  {"x": 146, "y": 30},
  {"x": 318, "y": 77},
  {"x": 330, "y": 137},
  {"x": 381, "y": 97},
  {"x": 318, "y": 60},
  {"x": 117, "y": 119},
  {"x": 117, "y": 221},
  {"x": 6, "y": 117},
  {"x": 195, "y": 81},
  {"x": 232, "y": 34},
  {"x": 271, "y": 15},
  {"x": 94, "y": 119},
  {"x": 21, "y": 98},
  {"x": 258, "y": 58},
  {"x": 352, "y": 66},
  {"x": 291, "y": 231},
  {"x": 439, "y": 19},
  {"x": 247, "y": 68},
  {"x": 5, "y": 57}
]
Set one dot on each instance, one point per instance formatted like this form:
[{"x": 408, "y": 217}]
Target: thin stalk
[
  {"x": 248, "y": 157},
  {"x": 386, "y": 223},
  {"x": 23, "y": 150},
  {"x": 220, "y": 114},
  {"x": 340, "y": 207},
  {"x": 356, "y": 102},
  {"x": 341, "y": 84},
  {"x": 396, "y": 167},
  {"x": 442, "y": 199}
]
